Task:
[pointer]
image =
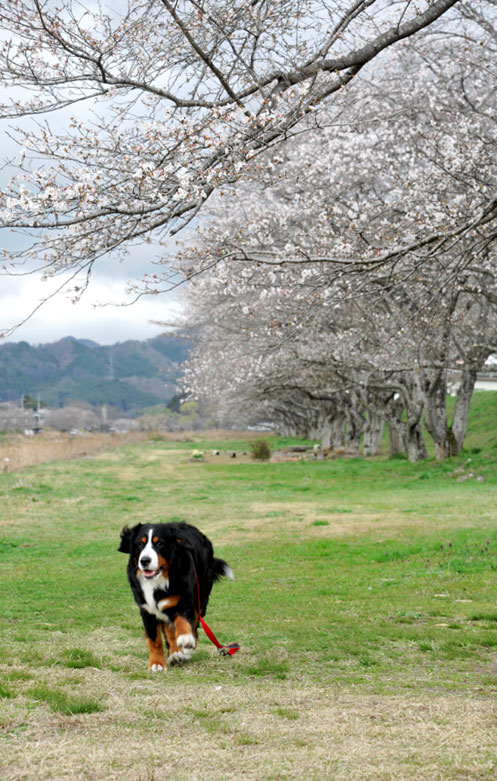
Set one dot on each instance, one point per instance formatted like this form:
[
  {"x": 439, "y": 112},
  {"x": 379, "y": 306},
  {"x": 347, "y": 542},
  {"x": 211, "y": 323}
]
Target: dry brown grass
[
  {"x": 209, "y": 435},
  {"x": 18, "y": 452},
  {"x": 167, "y": 727}
]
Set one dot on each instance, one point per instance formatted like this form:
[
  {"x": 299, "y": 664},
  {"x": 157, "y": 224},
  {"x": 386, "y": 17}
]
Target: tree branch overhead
[{"x": 182, "y": 97}]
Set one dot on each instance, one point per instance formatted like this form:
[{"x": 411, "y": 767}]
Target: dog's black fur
[{"x": 169, "y": 595}]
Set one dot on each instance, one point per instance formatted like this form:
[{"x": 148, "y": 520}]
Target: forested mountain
[{"x": 131, "y": 374}]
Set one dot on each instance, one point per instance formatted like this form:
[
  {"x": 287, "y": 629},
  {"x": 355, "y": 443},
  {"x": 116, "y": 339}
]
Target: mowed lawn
[{"x": 364, "y": 602}]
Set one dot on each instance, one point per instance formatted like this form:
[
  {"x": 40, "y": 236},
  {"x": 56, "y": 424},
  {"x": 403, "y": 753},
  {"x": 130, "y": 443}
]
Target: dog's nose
[{"x": 145, "y": 561}]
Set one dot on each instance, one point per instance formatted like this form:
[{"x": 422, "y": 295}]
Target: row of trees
[
  {"x": 133, "y": 114},
  {"x": 309, "y": 315},
  {"x": 346, "y": 155},
  {"x": 82, "y": 417}
]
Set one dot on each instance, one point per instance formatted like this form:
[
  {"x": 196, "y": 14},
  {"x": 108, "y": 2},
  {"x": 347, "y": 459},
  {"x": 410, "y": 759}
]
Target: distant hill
[{"x": 129, "y": 375}]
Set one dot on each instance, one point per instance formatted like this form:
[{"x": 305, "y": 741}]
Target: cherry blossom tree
[
  {"x": 367, "y": 180},
  {"x": 134, "y": 114}
]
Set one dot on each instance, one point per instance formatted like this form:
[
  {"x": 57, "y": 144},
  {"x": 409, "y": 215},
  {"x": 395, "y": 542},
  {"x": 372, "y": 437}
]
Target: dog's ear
[
  {"x": 181, "y": 555},
  {"x": 184, "y": 545},
  {"x": 127, "y": 536}
]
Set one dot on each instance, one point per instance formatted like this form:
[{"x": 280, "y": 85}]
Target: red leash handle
[{"x": 224, "y": 650}]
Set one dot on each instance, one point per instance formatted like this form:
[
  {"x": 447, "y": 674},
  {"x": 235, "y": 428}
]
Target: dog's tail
[{"x": 220, "y": 569}]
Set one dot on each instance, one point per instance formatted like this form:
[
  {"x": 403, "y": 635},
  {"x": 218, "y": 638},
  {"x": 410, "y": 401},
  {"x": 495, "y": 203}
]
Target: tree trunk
[
  {"x": 333, "y": 432},
  {"x": 457, "y": 430},
  {"x": 396, "y": 427},
  {"x": 412, "y": 432},
  {"x": 373, "y": 432},
  {"x": 325, "y": 435},
  {"x": 415, "y": 446},
  {"x": 436, "y": 415},
  {"x": 355, "y": 426},
  {"x": 397, "y": 442}
]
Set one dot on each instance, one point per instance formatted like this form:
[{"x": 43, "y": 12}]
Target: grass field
[{"x": 364, "y": 602}]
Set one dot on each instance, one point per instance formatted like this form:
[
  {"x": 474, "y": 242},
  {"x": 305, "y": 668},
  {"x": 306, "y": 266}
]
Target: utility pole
[{"x": 38, "y": 417}]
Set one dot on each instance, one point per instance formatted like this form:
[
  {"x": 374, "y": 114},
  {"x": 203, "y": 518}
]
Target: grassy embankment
[{"x": 365, "y": 604}]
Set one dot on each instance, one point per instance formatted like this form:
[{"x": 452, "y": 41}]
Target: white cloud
[
  {"x": 59, "y": 317},
  {"x": 86, "y": 319}
]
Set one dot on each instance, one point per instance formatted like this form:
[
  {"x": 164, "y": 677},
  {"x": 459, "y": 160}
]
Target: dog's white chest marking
[{"x": 148, "y": 589}]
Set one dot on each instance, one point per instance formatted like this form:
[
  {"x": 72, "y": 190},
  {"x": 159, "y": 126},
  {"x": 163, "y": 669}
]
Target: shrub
[{"x": 260, "y": 450}]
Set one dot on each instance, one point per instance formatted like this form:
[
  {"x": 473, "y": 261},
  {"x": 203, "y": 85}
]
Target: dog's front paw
[
  {"x": 178, "y": 657},
  {"x": 187, "y": 643},
  {"x": 156, "y": 668}
]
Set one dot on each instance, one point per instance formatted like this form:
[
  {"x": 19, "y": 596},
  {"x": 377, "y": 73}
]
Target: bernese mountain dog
[{"x": 171, "y": 571}]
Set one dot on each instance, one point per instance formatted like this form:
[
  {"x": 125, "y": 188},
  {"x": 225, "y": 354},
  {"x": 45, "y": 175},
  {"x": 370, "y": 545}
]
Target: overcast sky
[
  {"x": 93, "y": 317},
  {"x": 88, "y": 318},
  {"x": 59, "y": 317},
  {"x": 85, "y": 319},
  {"x": 99, "y": 315}
]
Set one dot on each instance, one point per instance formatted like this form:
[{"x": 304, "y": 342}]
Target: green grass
[
  {"x": 434, "y": 535},
  {"x": 60, "y": 702},
  {"x": 366, "y": 577}
]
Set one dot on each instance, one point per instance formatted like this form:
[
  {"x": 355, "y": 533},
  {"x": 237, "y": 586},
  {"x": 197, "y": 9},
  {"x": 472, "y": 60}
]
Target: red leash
[{"x": 224, "y": 650}]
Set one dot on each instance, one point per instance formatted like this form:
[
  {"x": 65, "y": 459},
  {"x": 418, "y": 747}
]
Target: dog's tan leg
[
  {"x": 185, "y": 635},
  {"x": 170, "y": 633},
  {"x": 157, "y": 657},
  {"x": 180, "y": 640}
]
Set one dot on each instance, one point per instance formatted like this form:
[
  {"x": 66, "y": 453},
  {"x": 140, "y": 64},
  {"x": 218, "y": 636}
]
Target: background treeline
[
  {"x": 351, "y": 282},
  {"x": 128, "y": 375}
]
